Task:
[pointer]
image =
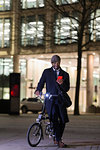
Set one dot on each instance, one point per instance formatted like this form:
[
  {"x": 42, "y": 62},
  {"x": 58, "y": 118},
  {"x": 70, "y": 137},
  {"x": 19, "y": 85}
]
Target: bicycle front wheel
[{"x": 34, "y": 134}]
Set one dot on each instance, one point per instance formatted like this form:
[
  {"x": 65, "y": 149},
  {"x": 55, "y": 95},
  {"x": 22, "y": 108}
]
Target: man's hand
[
  {"x": 59, "y": 81},
  {"x": 37, "y": 93}
]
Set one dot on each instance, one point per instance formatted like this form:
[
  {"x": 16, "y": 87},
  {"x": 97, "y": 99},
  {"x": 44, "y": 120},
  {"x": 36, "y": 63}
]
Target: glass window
[
  {"x": 32, "y": 3},
  {"x": 32, "y": 31},
  {"x": 6, "y": 67},
  {"x": 5, "y": 5},
  {"x": 60, "y": 2},
  {"x": 23, "y": 67},
  {"x": 95, "y": 26},
  {"x": 5, "y": 33},
  {"x": 65, "y": 30}
]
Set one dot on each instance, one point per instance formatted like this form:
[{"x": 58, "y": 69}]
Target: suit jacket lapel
[
  {"x": 61, "y": 72},
  {"x": 52, "y": 74}
]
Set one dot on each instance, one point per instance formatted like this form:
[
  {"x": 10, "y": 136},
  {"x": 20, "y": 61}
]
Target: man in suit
[{"x": 55, "y": 108}]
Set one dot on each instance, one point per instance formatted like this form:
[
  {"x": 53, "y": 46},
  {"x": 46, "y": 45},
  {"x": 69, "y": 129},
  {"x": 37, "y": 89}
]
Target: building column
[
  {"x": 90, "y": 62},
  {"x": 15, "y": 27},
  {"x": 98, "y": 102},
  {"x": 49, "y": 28},
  {"x": 16, "y": 64},
  {"x": 15, "y": 48}
]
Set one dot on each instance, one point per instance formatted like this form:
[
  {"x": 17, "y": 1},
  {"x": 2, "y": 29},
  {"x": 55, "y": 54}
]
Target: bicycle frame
[{"x": 36, "y": 129}]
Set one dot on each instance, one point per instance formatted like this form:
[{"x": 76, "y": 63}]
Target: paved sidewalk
[{"x": 81, "y": 133}]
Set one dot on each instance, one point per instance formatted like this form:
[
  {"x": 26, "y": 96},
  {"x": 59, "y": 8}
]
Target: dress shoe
[
  {"x": 55, "y": 142},
  {"x": 61, "y": 144}
]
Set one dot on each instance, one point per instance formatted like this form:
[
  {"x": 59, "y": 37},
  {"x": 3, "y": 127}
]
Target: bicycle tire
[
  {"x": 34, "y": 134},
  {"x": 47, "y": 129}
]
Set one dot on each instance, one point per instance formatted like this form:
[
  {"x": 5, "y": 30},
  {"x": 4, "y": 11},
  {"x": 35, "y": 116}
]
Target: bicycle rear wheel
[{"x": 34, "y": 134}]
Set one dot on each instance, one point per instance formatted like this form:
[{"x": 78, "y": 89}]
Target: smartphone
[{"x": 60, "y": 77}]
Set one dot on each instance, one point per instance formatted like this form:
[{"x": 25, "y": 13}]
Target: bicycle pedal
[
  {"x": 37, "y": 120},
  {"x": 50, "y": 136}
]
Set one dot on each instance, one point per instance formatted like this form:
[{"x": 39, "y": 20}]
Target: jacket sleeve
[
  {"x": 41, "y": 83},
  {"x": 66, "y": 83}
]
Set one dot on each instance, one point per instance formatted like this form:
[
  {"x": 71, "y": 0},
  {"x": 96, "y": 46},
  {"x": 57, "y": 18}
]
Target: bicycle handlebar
[{"x": 48, "y": 95}]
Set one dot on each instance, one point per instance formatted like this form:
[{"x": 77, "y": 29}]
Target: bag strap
[{"x": 58, "y": 88}]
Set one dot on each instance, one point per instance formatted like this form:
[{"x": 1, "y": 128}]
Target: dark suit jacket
[{"x": 48, "y": 78}]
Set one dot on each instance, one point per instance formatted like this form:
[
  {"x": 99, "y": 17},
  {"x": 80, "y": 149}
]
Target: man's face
[{"x": 56, "y": 65}]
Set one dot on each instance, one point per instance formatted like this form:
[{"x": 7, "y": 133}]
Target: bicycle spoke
[{"x": 34, "y": 135}]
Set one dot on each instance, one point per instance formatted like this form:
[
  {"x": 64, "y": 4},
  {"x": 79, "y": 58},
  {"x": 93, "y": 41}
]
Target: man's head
[{"x": 55, "y": 60}]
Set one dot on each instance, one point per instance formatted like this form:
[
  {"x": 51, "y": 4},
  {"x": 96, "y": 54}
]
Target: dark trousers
[{"x": 58, "y": 125}]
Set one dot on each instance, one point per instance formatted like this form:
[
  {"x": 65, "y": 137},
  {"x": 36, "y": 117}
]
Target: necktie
[{"x": 55, "y": 72}]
